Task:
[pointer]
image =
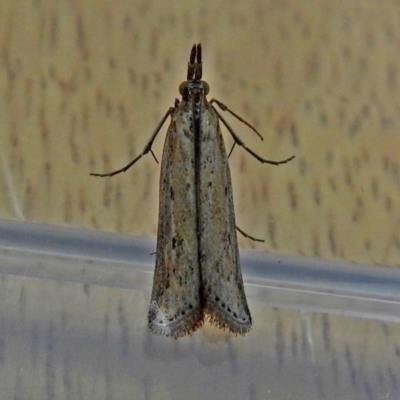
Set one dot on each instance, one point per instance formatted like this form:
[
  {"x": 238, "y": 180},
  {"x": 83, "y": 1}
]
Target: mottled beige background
[{"x": 84, "y": 83}]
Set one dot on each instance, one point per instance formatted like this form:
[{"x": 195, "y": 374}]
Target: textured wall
[{"x": 83, "y": 84}]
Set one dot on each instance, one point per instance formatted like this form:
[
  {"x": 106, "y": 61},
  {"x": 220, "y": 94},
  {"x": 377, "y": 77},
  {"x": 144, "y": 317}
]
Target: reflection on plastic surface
[{"x": 73, "y": 325}]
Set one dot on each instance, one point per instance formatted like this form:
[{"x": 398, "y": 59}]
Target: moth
[{"x": 197, "y": 273}]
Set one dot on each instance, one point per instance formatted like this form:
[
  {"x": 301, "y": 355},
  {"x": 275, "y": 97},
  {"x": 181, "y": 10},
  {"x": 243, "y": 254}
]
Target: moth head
[{"x": 187, "y": 88}]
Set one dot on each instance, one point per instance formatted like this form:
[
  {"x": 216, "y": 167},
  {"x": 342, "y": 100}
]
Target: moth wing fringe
[
  {"x": 183, "y": 326},
  {"x": 219, "y": 319}
]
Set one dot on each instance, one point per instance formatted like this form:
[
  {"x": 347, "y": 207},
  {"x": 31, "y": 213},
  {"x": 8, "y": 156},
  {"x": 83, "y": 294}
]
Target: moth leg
[
  {"x": 223, "y": 107},
  {"x": 233, "y": 146},
  {"x": 248, "y": 236},
  {"x": 146, "y": 149},
  {"x": 240, "y": 142}
]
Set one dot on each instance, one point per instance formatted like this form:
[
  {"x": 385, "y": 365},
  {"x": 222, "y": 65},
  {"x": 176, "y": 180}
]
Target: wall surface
[{"x": 84, "y": 84}]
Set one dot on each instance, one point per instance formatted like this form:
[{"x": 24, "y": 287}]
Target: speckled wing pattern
[
  {"x": 197, "y": 273},
  {"x": 222, "y": 287},
  {"x": 175, "y": 307}
]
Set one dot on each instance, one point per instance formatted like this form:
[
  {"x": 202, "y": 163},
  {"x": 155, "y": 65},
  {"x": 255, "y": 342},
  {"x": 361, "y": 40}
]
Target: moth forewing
[
  {"x": 222, "y": 284},
  {"x": 175, "y": 308}
]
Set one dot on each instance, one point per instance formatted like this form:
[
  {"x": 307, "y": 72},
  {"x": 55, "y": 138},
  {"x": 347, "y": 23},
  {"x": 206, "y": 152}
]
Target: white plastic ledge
[{"x": 300, "y": 283}]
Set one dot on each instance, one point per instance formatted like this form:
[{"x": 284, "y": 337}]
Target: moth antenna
[
  {"x": 199, "y": 66},
  {"x": 191, "y": 64},
  {"x": 199, "y": 53},
  {"x": 192, "y": 57}
]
